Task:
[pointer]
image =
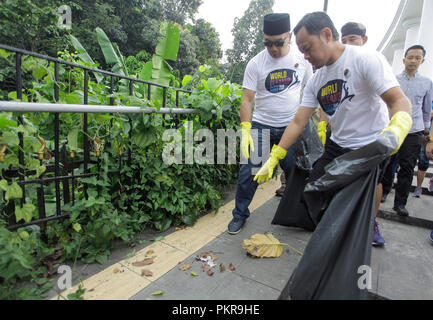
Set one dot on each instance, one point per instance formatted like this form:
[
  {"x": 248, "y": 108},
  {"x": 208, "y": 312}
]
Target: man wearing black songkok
[{"x": 274, "y": 80}]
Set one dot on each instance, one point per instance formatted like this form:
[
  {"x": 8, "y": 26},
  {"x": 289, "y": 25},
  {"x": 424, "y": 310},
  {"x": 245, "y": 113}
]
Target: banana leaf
[
  {"x": 168, "y": 43},
  {"x": 84, "y": 56},
  {"x": 112, "y": 56}
]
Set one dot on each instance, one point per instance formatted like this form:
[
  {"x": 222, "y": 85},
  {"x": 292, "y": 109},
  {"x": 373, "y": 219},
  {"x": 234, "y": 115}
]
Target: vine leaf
[{"x": 25, "y": 213}]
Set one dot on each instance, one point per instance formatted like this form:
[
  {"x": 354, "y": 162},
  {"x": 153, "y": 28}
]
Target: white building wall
[{"x": 426, "y": 37}]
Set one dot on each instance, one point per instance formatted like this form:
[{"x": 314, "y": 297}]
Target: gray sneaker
[
  {"x": 418, "y": 192},
  {"x": 235, "y": 226}
]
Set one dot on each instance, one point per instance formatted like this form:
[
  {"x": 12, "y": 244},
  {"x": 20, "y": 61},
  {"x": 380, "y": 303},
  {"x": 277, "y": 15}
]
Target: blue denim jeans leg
[
  {"x": 265, "y": 137},
  {"x": 423, "y": 162}
]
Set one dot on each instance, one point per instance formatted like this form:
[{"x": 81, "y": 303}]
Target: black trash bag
[
  {"x": 341, "y": 205},
  {"x": 308, "y": 149},
  {"x": 292, "y": 210}
]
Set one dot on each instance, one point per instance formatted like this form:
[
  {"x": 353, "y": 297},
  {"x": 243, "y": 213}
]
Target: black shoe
[
  {"x": 384, "y": 196},
  {"x": 401, "y": 211}
]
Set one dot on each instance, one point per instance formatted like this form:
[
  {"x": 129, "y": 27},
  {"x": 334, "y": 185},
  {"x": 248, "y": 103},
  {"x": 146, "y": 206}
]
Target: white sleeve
[
  {"x": 309, "y": 99},
  {"x": 378, "y": 73},
  {"x": 250, "y": 76},
  {"x": 308, "y": 73}
]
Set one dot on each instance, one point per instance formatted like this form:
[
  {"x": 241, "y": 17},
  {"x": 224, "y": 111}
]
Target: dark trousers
[
  {"x": 333, "y": 151},
  {"x": 407, "y": 157}
]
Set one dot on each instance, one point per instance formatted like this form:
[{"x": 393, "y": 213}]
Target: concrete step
[{"x": 420, "y": 209}]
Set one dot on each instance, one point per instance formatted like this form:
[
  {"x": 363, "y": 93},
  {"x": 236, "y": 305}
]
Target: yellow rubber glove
[
  {"x": 400, "y": 125},
  {"x": 321, "y": 130},
  {"x": 267, "y": 170},
  {"x": 246, "y": 140}
]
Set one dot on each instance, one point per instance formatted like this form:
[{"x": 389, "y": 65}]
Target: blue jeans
[
  {"x": 265, "y": 137},
  {"x": 423, "y": 162}
]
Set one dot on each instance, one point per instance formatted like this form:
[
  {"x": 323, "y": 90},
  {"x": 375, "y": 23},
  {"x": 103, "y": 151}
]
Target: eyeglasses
[{"x": 278, "y": 43}]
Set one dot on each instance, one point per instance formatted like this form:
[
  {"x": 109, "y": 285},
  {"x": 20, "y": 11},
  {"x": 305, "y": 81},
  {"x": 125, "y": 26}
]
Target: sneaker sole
[
  {"x": 378, "y": 244},
  {"x": 233, "y": 233}
]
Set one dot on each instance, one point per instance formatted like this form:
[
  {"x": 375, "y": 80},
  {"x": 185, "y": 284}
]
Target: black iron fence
[{"x": 63, "y": 171}]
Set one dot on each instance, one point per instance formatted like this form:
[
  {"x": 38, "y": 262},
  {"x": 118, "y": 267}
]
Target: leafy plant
[{"x": 146, "y": 193}]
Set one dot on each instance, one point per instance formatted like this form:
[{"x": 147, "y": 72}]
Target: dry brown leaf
[
  {"x": 232, "y": 267},
  {"x": 205, "y": 268},
  {"x": 148, "y": 253},
  {"x": 116, "y": 270},
  {"x": 222, "y": 268},
  {"x": 185, "y": 267},
  {"x": 263, "y": 246},
  {"x": 146, "y": 273},
  {"x": 143, "y": 263}
]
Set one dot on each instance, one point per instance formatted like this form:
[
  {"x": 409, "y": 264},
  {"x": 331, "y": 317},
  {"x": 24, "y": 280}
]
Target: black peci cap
[
  {"x": 353, "y": 28},
  {"x": 276, "y": 23}
]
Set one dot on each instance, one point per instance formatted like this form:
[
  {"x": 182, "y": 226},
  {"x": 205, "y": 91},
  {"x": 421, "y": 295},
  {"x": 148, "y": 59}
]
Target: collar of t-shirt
[{"x": 339, "y": 61}]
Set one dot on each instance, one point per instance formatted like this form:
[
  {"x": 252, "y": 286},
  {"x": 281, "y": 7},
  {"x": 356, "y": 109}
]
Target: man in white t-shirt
[
  {"x": 355, "y": 34},
  {"x": 274, "y": 80},
  {"x": 348, "y": 85}
]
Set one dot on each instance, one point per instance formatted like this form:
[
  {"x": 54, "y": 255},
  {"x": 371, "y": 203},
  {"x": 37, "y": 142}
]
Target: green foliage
[
  {"x": 158, "y": 70},
  {"x": 31, "y": 26},
  {"x": 21, "y": 254},
  {"x": 77, "y": 295},
  {"x": 209, "y": 42},
  {"x": 179, "y": 10},
  {"x": 248, "y": 38},
  {"x": 131, "y": 25},
  {"x": 147, "y": 193},
  {"x": 136, "y": 64}
]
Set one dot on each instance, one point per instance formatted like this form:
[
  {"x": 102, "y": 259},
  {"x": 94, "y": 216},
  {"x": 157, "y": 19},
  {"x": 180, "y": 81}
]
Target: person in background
[
  {"x": 354, "y": 34},
  {"x": 274, "y": 79},
  {"x": 423, "y": 165},
  {"x": 429, "y": 153},
  {"x": 419, "y": 90}
]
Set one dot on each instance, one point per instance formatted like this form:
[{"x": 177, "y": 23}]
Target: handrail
[
  {"x": 72, "y": 64},
  {"x": 15, "y": 106}
]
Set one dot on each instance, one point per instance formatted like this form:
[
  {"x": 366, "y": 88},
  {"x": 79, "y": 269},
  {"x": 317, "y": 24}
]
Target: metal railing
[{"x": 63, "y": 169}]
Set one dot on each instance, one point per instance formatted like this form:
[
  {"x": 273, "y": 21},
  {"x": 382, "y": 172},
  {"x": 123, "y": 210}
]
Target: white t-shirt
[
  {"x": 349, "y": 92},
  {"x": 277, "y": 83}
]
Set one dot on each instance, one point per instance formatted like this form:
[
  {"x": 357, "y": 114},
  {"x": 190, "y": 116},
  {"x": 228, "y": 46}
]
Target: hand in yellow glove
[
  {"x": 400, "y": 125},
  {"x": 267, "y": 170},
  {"x": 246, "y": 140},
  {"x": 321, "y": 131}
]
